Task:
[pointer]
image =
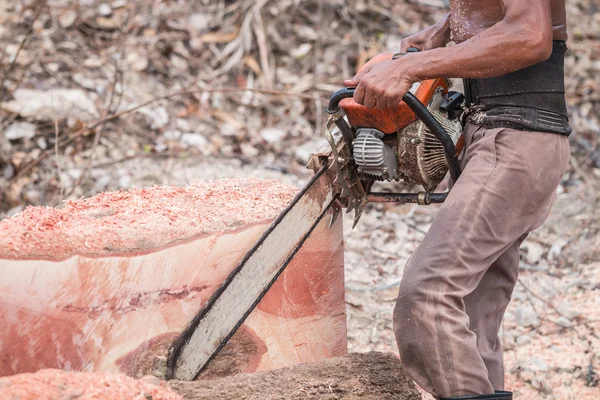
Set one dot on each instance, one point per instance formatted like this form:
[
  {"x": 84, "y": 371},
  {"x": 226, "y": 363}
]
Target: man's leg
[
  {"x": 505, "y": 191},
  {"x": 485, "y": 307}
]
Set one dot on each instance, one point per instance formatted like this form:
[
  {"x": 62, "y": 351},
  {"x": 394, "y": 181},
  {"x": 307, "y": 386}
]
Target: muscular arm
[{"x": 521, "y": 39}]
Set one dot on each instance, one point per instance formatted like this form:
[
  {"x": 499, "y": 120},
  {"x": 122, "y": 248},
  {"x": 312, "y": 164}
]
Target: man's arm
[
  {"x": 437, "y": 35},
  {"x": 521, "y": 39}
]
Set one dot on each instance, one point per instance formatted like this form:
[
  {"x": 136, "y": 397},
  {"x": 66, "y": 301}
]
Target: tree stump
[{"x": 108, "y": 283}]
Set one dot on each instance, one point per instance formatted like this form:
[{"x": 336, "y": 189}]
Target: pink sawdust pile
[
  {"x": 51, "y": 384},
  {"x": 140, "y": 220}
]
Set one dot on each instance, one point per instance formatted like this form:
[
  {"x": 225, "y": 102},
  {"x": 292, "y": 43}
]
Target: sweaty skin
[{"x": 493, "y": 37}]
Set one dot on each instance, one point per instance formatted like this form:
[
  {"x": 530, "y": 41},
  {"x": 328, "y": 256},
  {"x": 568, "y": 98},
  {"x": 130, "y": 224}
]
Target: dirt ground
[
  {"x": 237, "y": 89},
  {"x": 369, "y": 376}
]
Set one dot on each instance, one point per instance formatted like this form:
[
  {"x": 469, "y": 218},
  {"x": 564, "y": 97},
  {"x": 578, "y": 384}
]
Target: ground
[
  {"x": 365, "y": 376},
  {"x": 371, "y": 376},
  {"x": 237, "y": 89}
]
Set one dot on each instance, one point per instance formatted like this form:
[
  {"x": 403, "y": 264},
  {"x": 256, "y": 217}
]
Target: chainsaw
[{"x": 418, "y": 142}]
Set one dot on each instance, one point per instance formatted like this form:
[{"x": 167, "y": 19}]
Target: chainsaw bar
[{"x": 243, "y": 289}]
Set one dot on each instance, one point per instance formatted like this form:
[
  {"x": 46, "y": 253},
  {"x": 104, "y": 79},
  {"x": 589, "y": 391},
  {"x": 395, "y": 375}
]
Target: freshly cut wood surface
[
  {"x": 119, "y": 308},
  {"x": 140, "y": 220}
]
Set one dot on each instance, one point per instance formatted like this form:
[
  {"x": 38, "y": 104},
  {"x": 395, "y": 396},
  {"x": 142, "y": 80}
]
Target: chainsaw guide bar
[{"x": 243, "y": 289}]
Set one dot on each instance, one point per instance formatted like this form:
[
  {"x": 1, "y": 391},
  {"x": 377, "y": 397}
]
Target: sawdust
[
  {"x": 139, "y": 220},
  {"x": 51, "y": 384},
  {"x": 370, "y": 376}
]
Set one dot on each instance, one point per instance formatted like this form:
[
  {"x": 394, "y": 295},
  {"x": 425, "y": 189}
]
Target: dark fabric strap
[
  {"x": 532, "y": 98},
  {"x": 522, "y": 118}
]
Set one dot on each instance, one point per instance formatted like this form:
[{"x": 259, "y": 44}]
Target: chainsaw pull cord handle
[{"x": 422, "y": 113}]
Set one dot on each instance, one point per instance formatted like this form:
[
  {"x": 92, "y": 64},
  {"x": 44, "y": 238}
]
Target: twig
[
  {"x": 319, "y": 120},
  {"x": 386, "y": 13},
  {"x": 540, "y": 298},
  {"x": 166, "y": 154},
  {"x": 111, "y": 107},
  {"x": 7, "y": 72},
  {"x": 414, "y": 227},
  {"x": 263, "y": 48},
  {"x": 581, "y": 173},
  {"x": 58, "y": 161},
  {"x": 8, "y": 121},
  {"x": 86, "y": 168},
  {"x": 530, "y": 293}
]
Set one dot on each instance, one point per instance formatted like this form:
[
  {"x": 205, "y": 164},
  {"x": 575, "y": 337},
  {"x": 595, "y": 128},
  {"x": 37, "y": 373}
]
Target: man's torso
[{"x": 468, "y": 18}]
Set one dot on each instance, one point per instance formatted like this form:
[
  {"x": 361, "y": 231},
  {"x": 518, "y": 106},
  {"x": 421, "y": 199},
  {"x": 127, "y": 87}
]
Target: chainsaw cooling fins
[{"x": 374, "y": 159}]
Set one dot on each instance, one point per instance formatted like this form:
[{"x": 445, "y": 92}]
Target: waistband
[
  {"x": 522, "y": 118},
  {"x": 532, "y": 98}
]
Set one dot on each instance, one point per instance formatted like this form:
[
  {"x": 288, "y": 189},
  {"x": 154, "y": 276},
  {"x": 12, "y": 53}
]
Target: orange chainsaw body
[{"x": 390, "y": 120}]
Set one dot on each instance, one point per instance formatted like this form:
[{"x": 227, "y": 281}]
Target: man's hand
[
  {"x": 384, "y": 84},
  {"x": 430, "y": 38}
]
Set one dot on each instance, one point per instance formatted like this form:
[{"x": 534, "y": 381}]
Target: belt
[
  {"x": 532, "y": 98},
  {"x": 522, "y": 118}
]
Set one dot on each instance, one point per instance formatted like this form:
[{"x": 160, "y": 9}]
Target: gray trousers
[{"x": 458, "y": 282}]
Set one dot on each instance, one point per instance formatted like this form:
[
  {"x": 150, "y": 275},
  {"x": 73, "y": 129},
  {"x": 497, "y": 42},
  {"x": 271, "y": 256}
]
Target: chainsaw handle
[
  {"x": 334, "y": 102},
  {"x": 423, "y": 114},
  {"x": 438, "y": 130}
]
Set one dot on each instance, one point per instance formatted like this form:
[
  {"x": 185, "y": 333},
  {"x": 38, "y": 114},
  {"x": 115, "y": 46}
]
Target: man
[{"x": 457, "y": 284}]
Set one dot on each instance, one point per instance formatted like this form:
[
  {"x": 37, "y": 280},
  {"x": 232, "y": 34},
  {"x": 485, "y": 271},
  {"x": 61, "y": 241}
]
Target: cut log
[
  {"x": 108, "y": 283},
  {"x": 371, "y": 376}
]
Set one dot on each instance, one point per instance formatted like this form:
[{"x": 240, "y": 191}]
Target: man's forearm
[
  {"x": 496, "y": 51},
  {"x": 521, "y": 39}
]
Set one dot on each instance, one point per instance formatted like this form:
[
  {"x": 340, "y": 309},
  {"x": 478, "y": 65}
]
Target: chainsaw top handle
[{"x": 423, "y": 114}]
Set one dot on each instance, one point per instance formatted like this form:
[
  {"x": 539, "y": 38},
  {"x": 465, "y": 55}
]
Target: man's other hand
[{"x": 429, "y": 38}]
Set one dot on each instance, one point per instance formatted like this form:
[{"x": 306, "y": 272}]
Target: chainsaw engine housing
[{"x": 394, "y": 144}]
